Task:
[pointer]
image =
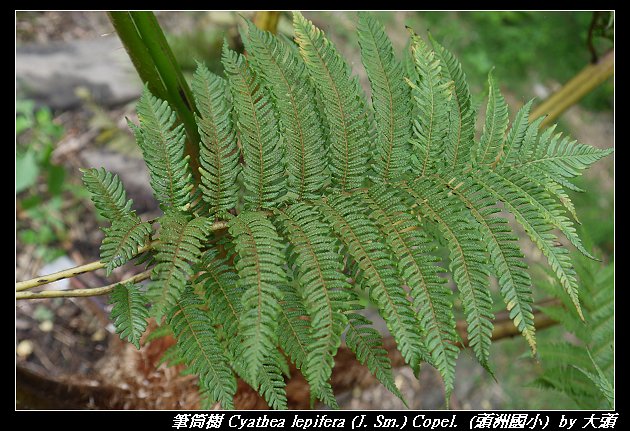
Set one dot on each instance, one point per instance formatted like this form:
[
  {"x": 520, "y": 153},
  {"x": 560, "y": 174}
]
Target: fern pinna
[{"x": 308, "y": 193}]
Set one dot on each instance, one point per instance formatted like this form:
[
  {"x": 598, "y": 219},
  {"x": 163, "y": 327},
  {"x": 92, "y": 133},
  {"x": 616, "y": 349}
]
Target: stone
[{"x": 50, "y": 74}]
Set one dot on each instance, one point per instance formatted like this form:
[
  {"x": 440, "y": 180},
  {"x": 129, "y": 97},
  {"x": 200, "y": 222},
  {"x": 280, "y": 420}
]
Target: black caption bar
[{"x": 302, "y": 420}]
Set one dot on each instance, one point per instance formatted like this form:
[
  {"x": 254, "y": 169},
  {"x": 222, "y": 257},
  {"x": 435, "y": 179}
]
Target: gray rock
[{"x": 51, "y": 73}]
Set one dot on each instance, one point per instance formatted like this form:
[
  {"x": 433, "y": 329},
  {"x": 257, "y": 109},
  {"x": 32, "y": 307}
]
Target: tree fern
[
  {"x": 322, "y": 194},
  {"x": 108, "y": 194},
  {"x": 366, "y": 343}
]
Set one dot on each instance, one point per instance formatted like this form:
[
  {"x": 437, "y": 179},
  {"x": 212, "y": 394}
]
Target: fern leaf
[
  {"x": 122, "y": 241},
  {"x": 263, "y": 151},
  {"x": 432, "y": 97},
  {"x": 562, "y": 157},
  {"x": 361, "y": 237},
  {"x": 512, "y": 194},
  {"x": 416, "y": 265},
  {"x": 491, "y": 143},
  {"x": 468, "y": 260},
  {"x": 162, "y": 145},
  {"x": 129, "y": 312},
  {"x": 518, "y": 130},
  {"x": 178, "y": 249},
  {"x": 198, "y": 344},
  {"x": 344, "y": 104},
  {"x": 366, "y": 343},
  {"x": 390, "y": 98},
  {"x": 294, "y": 329},
  {"x": 260, "y": 271},
  {"x": 108, "y": 194},
  {"x": 461, "y": 125},
  {"x": 223, "y": 298},
  {"x": 272, "y": 386},
  {"x": 505, "y": 254},
  {"x": 219, "y": 153},
  {"x": 324, "y": 287},
  {"x": 294, "y": 96}
]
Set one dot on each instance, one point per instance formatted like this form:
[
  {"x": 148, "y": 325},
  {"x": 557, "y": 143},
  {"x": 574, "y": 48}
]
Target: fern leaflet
[
  {"x": 197, "y": 343},
  {"x": 178, "y": 249},
  {"x": 218, "y": 153},
  {"x": 162, "y": 145},
  {"x": 129, "y": 312},
  {"x": 390, "y": 98},
  {"x": 294, "y": 97},
  {"x": 343, "y": 101},
  {"x": 263, "y": 151}
]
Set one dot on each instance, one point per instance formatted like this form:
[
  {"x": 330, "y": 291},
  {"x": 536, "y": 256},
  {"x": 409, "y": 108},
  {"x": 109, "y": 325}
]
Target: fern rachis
[{"x": 332, "y": 195}]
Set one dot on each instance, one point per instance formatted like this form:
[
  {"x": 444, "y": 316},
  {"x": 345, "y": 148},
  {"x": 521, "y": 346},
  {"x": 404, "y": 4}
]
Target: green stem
[{"x": 154, "y": 61}]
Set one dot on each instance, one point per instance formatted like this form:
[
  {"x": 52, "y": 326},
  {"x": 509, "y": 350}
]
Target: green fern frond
[
  {"x": 505, "y": 253},
  {"x": 198, "y": 345},
  {"x": 272, "y": 386},
  {"x": 162, "y": 145},
  {"x": 515, "y": 191},
  {"x": 390, "y": 98},
  {"x": 461, "y": 126},
  {"x": 348, "y": 219},
  {"x": 518, "y": 129},
  {"x": 490, "y": 145},
  {"x": 260, "y": 271},
  {"x": 262, "y": 146},
  {"x": 366, "y": 343},
  {"x": 294, "y": 329},
  {"x": 218, "y": 153},
  {"x": 122, "y": 241},
  {"x": 416, "y": 266},
  {"x": 583, "y": 368},
  {"x": 344, "y": 104},
  {"x": 108, "y": 194},
  {"x": 318, "y": 270},
  {"x": 432, "y": 97},
  {"x": 178, "y": 249},
  {"x": 600, "y": 380},
  {"x": 323, "y": 194},
  {"x": 129, "y": 312},
  {"x": 285, "y": 73},
  {"x": 468, "y": 260},
  {"x": 127, "y": 232}
]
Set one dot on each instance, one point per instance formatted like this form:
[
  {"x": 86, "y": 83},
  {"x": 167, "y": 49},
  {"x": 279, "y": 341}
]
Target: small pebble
[
  {"x": 24, "y": 348},
  {"x": 99, "y": 335},
  {"x": 46, "y": 326}
]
